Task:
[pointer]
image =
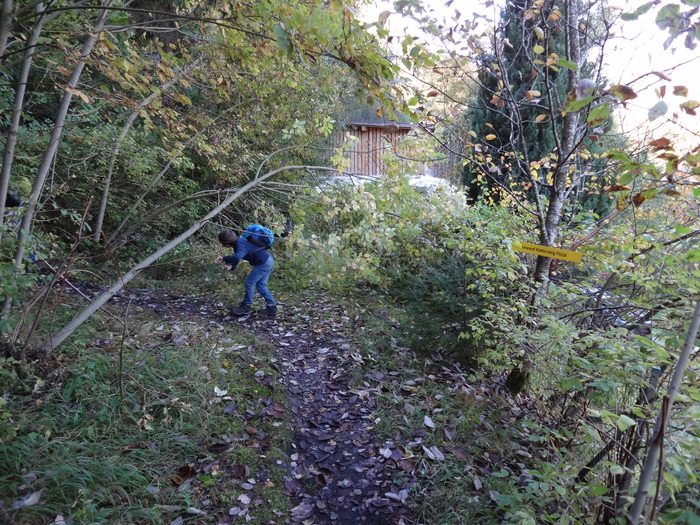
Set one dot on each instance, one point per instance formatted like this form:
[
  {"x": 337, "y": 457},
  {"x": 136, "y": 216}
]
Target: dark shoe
[
  {"x": 241, "y": 311},
  {"x": 269, "y": 311}
]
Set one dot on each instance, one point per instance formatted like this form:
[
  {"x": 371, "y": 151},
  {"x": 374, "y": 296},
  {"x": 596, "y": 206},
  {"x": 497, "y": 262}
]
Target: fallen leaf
[
  {"x": 302, "y": 511},
  {"x": 436, "y": 452},
  {"x": 458, "y": 452},
  {"x": 28, "y": 500},
  {"x": 239, "y": 471},
  {"x": 183, "y": 473}
]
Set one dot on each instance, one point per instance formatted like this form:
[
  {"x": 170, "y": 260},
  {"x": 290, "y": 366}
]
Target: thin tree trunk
[
  {"x": 44, "y": 168},
  {"x": 120, "y": 139},
  {"x": 5, "y": 24},
  {"x": 565, "y": 149},
  {"x": 58, "y": 338},
  {"x": 13, "y": 130},
  {"x": 111, "y": 239},
  {"x": 656, "y": 441}
]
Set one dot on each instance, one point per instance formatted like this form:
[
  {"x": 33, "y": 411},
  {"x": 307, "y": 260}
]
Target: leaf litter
[{"x": 338, "y": 472}]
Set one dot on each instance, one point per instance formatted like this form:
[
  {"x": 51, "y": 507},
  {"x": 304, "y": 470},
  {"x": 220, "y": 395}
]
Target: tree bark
[
  {"x": 565, "y": 149},
  {"x": 20, "y": 90},
  {"x": 37, "y": 188},
  {"x": 657, "y": 436},
  {"x": 79, "y": 319},
  {"x": 5, "y": 25}
]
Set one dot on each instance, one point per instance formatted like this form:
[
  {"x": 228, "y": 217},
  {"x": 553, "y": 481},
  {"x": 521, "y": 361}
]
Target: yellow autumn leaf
[
  {"x": 540, "y": 118},
  {"x": 77, "y": 93},
  {"x": 490, "y": 136},
  {"x": 183, "y": 99}
]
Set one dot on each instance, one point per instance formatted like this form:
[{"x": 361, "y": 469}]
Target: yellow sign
[{"x": 546, "y": 251}]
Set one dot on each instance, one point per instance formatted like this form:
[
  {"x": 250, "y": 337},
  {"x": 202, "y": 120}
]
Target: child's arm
[
  {"x": 233, "y": 260},
  {"x": 220, "y": 260}
]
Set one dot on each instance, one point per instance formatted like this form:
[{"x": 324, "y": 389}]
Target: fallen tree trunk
[{"x": 60, "y": 336}]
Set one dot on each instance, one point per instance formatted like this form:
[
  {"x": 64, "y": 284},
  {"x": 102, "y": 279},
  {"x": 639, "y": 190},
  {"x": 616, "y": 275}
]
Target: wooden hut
[{"x": 375, "y": 140}]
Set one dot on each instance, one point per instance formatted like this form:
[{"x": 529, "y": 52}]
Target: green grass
[{"x": 104, "y": 447}]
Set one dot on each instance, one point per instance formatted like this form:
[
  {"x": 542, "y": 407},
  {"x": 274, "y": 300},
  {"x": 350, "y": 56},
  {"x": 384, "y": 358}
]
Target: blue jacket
[{"x": 247, "y": 251}]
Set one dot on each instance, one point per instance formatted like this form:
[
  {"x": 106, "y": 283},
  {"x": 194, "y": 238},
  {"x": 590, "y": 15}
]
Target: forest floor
[
  {"x": 338, "y": 471},
  {"x": 319, "y": 406}
]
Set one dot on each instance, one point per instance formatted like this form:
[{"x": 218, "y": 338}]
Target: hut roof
[{"x": 380, "y": 124}]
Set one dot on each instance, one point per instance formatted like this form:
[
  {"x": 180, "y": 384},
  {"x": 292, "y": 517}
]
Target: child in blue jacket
[{"x": 262, "y": 263}]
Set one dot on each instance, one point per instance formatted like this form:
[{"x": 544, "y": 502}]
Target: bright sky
[{"x": 636, "y": 50}]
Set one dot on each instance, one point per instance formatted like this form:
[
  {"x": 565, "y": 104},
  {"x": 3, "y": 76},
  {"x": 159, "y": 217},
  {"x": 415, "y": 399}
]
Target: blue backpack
[{"x": 259, "y": 235}]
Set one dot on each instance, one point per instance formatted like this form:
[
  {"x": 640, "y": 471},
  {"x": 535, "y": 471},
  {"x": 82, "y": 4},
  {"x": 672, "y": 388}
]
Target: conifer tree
[{"x": 523, "y": 138}]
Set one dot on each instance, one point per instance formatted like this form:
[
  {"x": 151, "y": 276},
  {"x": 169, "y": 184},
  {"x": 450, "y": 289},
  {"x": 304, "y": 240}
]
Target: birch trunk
[
  {"x": 37, "y": 188},
  {"x": 84, "y": 315},
  {"x": 566, "y": 147},
  {"x": 20, "y": 90}
]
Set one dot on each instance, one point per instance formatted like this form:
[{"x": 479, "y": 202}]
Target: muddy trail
[{"x": 338, "y": 471}]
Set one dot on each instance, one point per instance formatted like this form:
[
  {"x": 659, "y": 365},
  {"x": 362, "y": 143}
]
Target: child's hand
[{"x": 220, "y": 260}]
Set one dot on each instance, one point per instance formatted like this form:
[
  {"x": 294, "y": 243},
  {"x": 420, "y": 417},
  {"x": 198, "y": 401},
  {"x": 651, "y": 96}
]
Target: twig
[{"x": 121, "y": 356}]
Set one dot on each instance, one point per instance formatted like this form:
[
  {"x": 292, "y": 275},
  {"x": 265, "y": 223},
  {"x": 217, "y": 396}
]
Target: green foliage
[
  {"x": 450, "y": 265},
  {"x": 104, "y": 447},
  {"x": 457, "y": 288},
  {"x": 203, "y": 107},
  {"x": 676, "y": 19}
]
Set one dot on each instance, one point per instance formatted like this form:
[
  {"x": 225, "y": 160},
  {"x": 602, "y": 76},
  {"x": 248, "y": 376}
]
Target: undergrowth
[{"x": 139, "y": 428}]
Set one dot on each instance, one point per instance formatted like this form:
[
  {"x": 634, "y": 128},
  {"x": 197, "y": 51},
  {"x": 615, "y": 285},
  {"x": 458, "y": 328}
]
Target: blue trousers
[{"x": 257, "y": 280}]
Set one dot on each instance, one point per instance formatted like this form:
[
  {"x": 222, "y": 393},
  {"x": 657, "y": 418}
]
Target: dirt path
[{"x": 338, "y": 472}]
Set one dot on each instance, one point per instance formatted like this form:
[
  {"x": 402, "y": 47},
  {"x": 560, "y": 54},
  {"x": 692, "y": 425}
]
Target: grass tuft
[{"x": 104, "y": 447}]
